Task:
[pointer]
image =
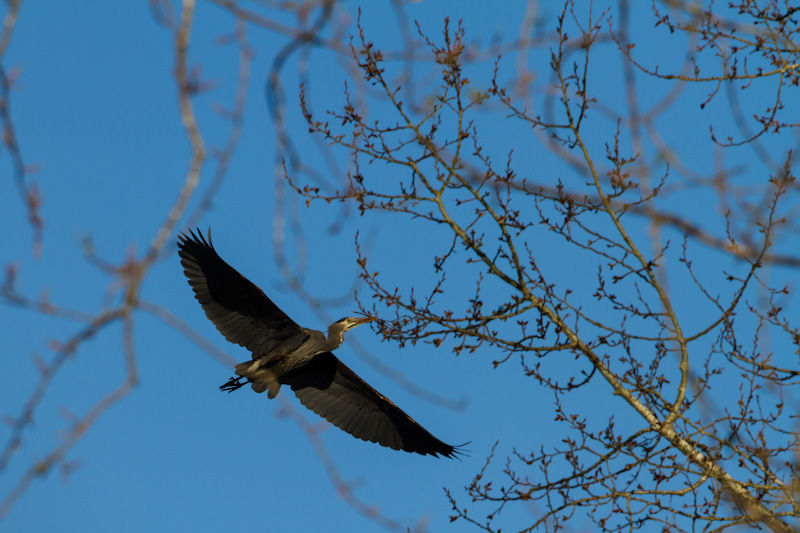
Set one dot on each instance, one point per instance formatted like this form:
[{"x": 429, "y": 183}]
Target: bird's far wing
[
  {"x": 333, "y": 391},
  {"x": 240, "y": 310}
]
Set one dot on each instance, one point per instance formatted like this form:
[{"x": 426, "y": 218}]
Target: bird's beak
[{"x": 365, "y": 320}]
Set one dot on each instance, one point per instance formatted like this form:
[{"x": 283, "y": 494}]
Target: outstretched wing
[
  {"x": 333, "y": 391},
  {"x": 240, "y": 310}
]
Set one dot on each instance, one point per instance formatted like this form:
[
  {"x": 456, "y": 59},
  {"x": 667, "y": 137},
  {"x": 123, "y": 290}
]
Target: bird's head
[{"x": 350, "y": 322}]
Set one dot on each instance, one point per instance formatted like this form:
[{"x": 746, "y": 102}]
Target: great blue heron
[{"x": 287, "y": 354}]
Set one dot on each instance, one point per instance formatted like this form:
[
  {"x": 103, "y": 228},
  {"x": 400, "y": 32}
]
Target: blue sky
[{"x": 96, "y": 112}]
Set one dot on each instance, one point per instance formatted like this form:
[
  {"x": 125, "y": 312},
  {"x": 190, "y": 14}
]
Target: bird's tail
[{"x": 262, "y": 378}]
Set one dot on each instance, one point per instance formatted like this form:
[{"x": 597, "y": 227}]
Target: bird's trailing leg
[
  {"x": 263, "y": 378},
  {"x": 233, "y": 384}
]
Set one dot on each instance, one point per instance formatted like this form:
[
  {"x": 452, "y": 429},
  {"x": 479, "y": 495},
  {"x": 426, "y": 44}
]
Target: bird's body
[
  {"x": 265, "y": 372},
  {"x": 285, "y": 353}
]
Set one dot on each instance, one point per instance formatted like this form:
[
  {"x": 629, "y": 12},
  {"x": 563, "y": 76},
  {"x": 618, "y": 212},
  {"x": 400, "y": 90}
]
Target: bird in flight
[{"x": 285, "y": 353}]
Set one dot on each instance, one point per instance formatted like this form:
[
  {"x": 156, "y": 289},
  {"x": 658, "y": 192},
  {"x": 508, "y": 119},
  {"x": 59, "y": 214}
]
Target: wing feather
[
  {"x": 329, "y": 388},
  {"x": 240, "y": 310}
]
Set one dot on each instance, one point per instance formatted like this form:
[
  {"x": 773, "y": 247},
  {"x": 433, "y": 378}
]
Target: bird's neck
[{"x": 335, "y": 338}]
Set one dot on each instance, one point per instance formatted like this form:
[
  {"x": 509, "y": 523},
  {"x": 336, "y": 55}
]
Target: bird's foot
[{"x": 233, "y": 384}]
